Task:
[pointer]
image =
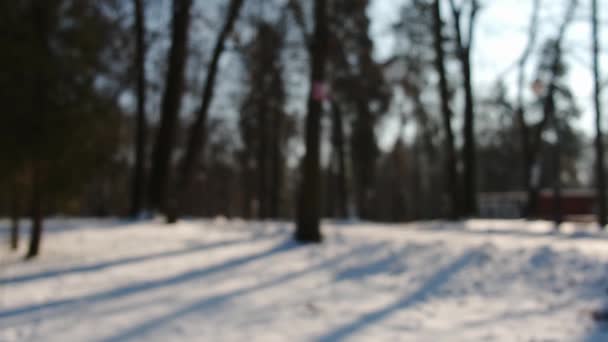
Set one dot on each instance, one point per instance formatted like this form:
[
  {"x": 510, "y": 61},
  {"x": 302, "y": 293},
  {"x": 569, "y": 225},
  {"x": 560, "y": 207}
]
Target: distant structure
[
  {"x": 510, "y": 204},
  {"x": 576, "y": 204}
]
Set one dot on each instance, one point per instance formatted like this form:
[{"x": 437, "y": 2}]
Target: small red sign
[{"x": 320, "y": 91}]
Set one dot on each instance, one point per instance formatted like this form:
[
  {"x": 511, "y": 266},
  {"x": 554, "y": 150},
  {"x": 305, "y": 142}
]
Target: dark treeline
[{"x": 277, "y": 109}]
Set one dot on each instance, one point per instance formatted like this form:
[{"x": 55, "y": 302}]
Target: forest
[
  {"x": 275, "y": 109},
  {"x": 412, "y": 169}
]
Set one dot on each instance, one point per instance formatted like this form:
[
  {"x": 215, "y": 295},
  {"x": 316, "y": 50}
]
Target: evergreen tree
[
  {"x": 60, "y": 121},
  {"x": 262, "y": 120}
]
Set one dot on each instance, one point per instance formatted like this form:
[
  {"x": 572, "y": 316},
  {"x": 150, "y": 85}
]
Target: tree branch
[
  {"x": 523, "y": 60},
  {"x": 472, "y": 17},
  {"x": 298, "y": 15}
]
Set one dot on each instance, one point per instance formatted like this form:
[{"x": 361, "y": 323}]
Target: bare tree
[
  {"x": 307, "y": 224},
  {"x": 548, "y": 104},
  {"x": 171, "y": 104},
  {"x": 527, "y": 158},
  {"x": 451, "y": 160},
  {"x": 198, "y": 134},
  {"x": 138, "y": 181},
  {"x": 262, "y": 118},
  {"x": 463, "y": 49}
]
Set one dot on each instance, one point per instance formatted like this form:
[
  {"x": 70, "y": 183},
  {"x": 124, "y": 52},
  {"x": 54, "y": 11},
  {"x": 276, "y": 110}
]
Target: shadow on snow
[
  {"x": 121, "y": 262},
  {"x": 208, "y": 302},
  {"x": 431, "y": 285},
  {"x": 148, "y": 285}
]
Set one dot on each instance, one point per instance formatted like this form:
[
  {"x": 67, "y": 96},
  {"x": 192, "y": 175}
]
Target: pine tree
[{"x": 262, "y": 119}]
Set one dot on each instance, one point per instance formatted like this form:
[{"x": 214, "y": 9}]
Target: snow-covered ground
[{"x": 218, "y": 280}]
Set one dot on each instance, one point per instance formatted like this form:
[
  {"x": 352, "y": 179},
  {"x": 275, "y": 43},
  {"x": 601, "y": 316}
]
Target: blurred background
[{"x": 427, "y": 109}]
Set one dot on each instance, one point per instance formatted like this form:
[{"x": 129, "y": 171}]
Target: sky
[{"x": 500, "y": 39}]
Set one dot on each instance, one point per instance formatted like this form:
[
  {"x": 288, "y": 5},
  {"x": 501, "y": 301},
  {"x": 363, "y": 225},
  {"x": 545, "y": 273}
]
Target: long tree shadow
[
  {"x": 140, "y": 287},
  {"x": 431, "y": 285},
  {"x": 131, "y": 260},
  {"x": 381, "y": 265},
  {"x": 210, "y": 302},
  {"x": 54, "y": 225}
]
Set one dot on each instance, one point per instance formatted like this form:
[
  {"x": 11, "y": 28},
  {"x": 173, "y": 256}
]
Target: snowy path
[{"x": 234, "y": 281}]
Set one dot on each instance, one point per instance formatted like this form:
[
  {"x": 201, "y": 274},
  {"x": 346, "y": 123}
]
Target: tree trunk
[
  {"x": 40, "y": 98},
  {"x": 171, "y": 104},
  {"x": 36, "y": 231},
  {"x": 557, "y": 188},
  {"x": 452, "y": 176},
  {"x": 364, "y": 152},
  {"x": 338, "y": 141},
  {"x": 263, "y": 163},
  {"x": 276, "y": 179},
  {"x": 140, "y": 143},
  {"x": 307, "y": 225},
  {"x": 469, "y": 158},
  {"x": 417, "y": 186},
  {"x": 548, "y": 116},
  {"x": 599, "y": 142},
  {"x": 527, "y": 159},
  {"x": 548, "y": 113},
  {"x": 247, "y": 192},
  {"x": 532, "y": 174},
  {"x": 198, "y": 134},
  {"x": 328, "y": 192},
  {"x": 15, "y": 217}
]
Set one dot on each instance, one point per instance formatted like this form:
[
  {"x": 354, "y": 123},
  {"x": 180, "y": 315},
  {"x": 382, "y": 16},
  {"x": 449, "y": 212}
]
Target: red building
[{"x": 576, "y": 204}]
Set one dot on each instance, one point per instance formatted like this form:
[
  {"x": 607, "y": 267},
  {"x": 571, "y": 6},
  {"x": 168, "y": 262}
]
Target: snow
[{"x": 231, "y": 280}]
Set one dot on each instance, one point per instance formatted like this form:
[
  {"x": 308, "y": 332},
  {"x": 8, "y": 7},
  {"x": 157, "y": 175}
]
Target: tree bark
[
  {"x": 40, "y": 98},
  {"x": 15, "y": 217},
  {"x": 338, "y": 141},
  {"x": 263, "y": 162},
  {"x": 599, "y": 142},
  {"x": 37, "y": 216},
  {"x": 470, "y": 163},
  {"x": 198, "y": 134},
  {"x": 464, "y": 55},
  {"x": 247, "y": 193},
  {"x": 171, "y": 104},
  {"x": 364, "y": 149},
  {"x": 307, "y": 225},
  {"x": 276, "y": 179},
  {"x": 557, "y": 184},
  {"x": 138, "y": 181},
  {"x": 450, "y": 159}
]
